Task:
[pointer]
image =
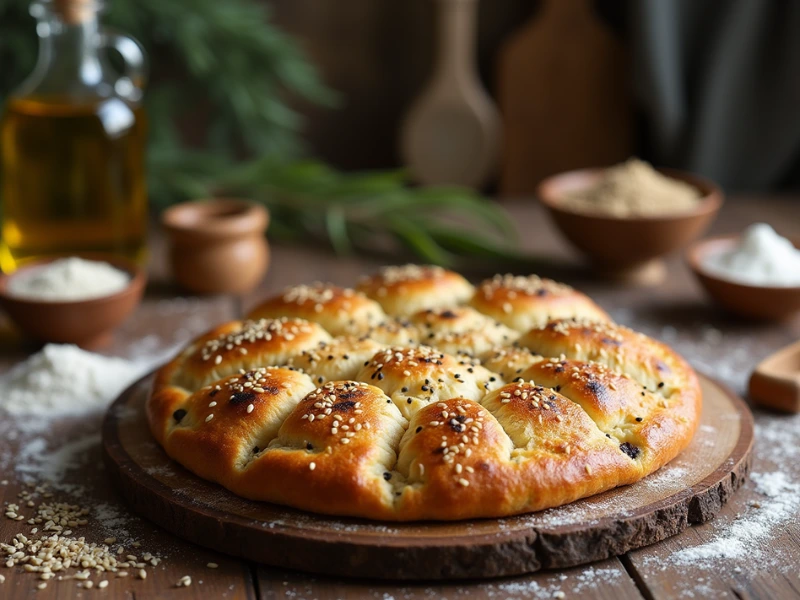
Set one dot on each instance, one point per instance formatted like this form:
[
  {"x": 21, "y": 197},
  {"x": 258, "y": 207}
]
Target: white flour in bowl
[{"x": 68, "y": 279}]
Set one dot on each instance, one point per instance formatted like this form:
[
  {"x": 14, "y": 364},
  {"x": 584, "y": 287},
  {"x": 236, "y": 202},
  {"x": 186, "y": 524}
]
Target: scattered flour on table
[
  {"x": 63, "y": 380},
  {"x": 747, "y": 536},
  {"x": 35, "y": 460}
]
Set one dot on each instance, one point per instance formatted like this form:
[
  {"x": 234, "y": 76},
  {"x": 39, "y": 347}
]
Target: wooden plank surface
[{"x": 676, "y": 312}]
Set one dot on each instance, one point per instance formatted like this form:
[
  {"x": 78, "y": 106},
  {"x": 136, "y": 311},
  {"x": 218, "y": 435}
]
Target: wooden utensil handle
[{"x": 457, "y": 20}]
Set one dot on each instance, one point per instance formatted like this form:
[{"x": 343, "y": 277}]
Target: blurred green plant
[
  {"x": 361, "y": 211},
  {"x": 225, "y": 64}
]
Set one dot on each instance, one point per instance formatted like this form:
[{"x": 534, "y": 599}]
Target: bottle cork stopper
[{"x": 73, "y": 12}]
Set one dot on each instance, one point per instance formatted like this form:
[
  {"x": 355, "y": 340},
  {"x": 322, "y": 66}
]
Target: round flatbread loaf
[{"x": 421, "y": 398}]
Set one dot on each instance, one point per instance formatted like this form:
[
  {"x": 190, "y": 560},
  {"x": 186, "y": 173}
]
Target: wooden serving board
[{"x": 691, "y": 489}]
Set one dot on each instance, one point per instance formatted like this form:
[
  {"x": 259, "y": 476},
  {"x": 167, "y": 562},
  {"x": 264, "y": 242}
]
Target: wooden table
[{"x": 675, "y": 311}]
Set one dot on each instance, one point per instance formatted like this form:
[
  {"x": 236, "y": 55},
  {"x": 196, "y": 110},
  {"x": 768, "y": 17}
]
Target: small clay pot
[{"x": 217, "y": 246}]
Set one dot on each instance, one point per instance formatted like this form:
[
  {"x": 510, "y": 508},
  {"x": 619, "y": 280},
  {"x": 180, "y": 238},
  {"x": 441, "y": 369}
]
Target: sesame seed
[
  {"x": 463, "y": 482},
  {"x": 103, "y": 584},
  {"x": 209, "y": 417},
  {"x": 250, "y": 408},
  {"x": 212, "y": 565},
  {"x": 312, "y": 466}
]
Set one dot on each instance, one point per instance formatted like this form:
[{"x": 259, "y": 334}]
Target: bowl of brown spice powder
[{"x": 626, "y": 218}]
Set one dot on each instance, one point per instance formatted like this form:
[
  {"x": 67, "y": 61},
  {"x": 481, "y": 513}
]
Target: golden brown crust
[
  {"x": 409, "y": 432},
  {"x": 340, "y": 311},
  {"x": 402, "y": 291},
  {"x": 243, "y": 345},
  {"x": 671, "y": 399},
  {"x": 525, "y": 302}
]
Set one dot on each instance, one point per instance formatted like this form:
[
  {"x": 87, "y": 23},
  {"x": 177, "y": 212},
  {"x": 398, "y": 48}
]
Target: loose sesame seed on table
[{"x": 751, "y": 550}]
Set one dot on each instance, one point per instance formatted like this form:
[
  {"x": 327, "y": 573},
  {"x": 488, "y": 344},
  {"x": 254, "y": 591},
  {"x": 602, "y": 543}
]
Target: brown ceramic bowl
[
  {"x": 87, "y": 323},
  {"x": 753, "y": 301},
  {"x": 618, "y": 244},
  {"x": 217, "y": 246}
]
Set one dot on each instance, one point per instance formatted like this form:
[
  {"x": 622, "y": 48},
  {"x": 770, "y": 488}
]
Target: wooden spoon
[
  {"x": 776, "y": 380},
  {"x": 452, "y": 132}
]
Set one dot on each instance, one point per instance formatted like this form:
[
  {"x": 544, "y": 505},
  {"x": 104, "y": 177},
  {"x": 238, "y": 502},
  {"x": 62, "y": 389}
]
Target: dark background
[{"x": 716, "y": 83}]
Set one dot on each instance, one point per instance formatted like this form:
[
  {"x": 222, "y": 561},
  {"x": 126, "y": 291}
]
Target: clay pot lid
[{"x": 215, "y": 218}]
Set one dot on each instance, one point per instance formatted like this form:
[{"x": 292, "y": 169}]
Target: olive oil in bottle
[{"x": 72, "y": 144}]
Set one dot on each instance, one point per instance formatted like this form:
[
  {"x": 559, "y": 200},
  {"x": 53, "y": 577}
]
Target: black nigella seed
[
  {"x": 366, "y": 363},
  {"x": 178, "y": 415},
  {"x": 346, "y": 357},
  {"x": 608, "y": 435},
  {"x": 419, "y": 428},
  {"x": 660, "y": 384},
  {"x": 409, "y": 400},
  {"x": 404, "y": 390},
  {"x": 309, "y": 446},
  {"x": 255, "y": 450},
  {"x": 424, "y": 388},
  {"x": 629, "y": 449},
  {"x": 558, "y": 388},
  {"x": 213, "y": 392},
  {"x": 638, "y": 419},
  {"x": 330, "y": 356},
  {"x": 387, "y": 476},
  {"x": 320, "y": 379},
  {"x": 380, "y": 376},
  {"x": 642, "y": 393},
  {"x": 388, "y": 402},
  {"x": 492, "y": 378}
]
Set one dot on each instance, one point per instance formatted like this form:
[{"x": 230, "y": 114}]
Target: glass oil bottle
[{"x": 72, "y": 144}]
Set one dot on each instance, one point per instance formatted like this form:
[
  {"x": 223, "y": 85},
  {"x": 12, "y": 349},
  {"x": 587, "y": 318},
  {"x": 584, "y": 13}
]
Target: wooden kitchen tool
[
  {"x": 451, "y": 134},
  {"x": 690, "y": 490},
  {"x": 564, "y": 97},
  {"x": 775, "y": 382}
]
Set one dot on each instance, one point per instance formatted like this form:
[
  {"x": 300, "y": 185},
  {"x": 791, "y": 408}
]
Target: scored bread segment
[
  {"x": 246, "y": 345},
  {"x": 453, "y": 452},
  {"x": 340, "y": 359},
  {"x": 215, "y": 431},
  {"x": 415, "y": 377},
  {"x": 340, "y": 311},
  {"x": 337, "y": 447},
  {"x": 525, "y": 302},
  {"x": 461, "y": 330},
  {"x": 402, "y": 291}
]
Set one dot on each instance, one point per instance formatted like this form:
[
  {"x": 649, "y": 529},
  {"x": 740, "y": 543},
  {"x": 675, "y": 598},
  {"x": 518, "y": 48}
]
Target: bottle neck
[{"x": 69, "y": 60}]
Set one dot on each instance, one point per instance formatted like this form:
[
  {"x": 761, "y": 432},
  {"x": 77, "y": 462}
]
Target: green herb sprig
[{"x": 359, "y": 211}]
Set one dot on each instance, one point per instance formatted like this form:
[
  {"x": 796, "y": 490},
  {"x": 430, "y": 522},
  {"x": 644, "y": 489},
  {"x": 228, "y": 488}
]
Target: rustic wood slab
[{"x": 689, "y": 490}]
